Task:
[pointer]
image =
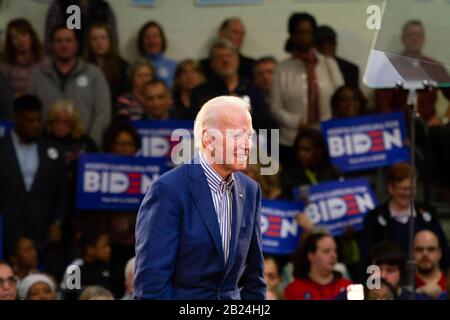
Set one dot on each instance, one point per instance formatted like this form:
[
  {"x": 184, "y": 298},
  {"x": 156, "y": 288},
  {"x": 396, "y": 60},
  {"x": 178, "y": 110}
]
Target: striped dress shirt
[{"x": 222, "y": 195}]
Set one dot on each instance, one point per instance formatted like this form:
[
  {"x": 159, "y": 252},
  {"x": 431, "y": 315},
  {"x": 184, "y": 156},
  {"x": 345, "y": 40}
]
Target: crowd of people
[{"x": 74, "y": 93}]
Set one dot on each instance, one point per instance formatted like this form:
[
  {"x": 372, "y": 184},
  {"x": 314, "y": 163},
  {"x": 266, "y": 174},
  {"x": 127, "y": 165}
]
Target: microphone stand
[{"x": 412, "y": 88}]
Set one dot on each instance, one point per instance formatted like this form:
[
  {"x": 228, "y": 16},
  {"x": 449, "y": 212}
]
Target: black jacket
[
  {"x": 379, "y": 226},
  {"x": 350, "y": 72},
  {"x": 31, "y": 213}
]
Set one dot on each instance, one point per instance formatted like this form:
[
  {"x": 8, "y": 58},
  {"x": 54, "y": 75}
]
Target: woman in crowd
[
  {"x": 152, "y": 45},
  {"x": 188, "y": 75},
  {"x": 314, "y": 270},
  {"x": 131, "y": 104},
  {"x": 64, "y": 127},
  {"x": 302, "y": 84},
  {"x": 23, "y": 55},
  {"x": 103, "y": 52},
  {"x": 92, "y": 12},
  {"x": 272, "y": 276},
  {"x": 37, "y": 287},
  {"x": 312, "y": 164},
  {"x": 347, "y": 102}
]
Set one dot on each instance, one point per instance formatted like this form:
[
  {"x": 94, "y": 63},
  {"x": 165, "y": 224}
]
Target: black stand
[{"x": 412, "y": 88}]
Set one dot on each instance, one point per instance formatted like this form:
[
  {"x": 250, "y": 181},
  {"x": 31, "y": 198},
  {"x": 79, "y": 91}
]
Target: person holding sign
[{"x": 198, "y": 232}]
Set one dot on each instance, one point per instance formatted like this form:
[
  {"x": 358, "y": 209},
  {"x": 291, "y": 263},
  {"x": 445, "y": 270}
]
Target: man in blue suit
[{"x": 198, "y": 230}]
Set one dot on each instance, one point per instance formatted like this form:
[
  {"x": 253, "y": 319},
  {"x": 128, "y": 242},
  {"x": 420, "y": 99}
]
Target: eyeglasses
[{"x": 12, "y": 281}]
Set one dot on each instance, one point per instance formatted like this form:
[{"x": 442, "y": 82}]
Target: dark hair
[
  {"x": 300, "y": 257},
  {"x": 5, "y": 263},
  {"x": 224, "y": 25},
  {"x": 118, "y": 126},
  {"x": 294, "y": 20},
  {"x": 316, "y": 138},
  {"x": 382, "y": 283},
  {"x": 277, "y": 264},
  {"x": 156, "y": 82},
  {"x": 111, "y": 67},
  {"x": 336, "y": 96},
  {"x": 61, "y": 27},
  {"x": 22, "y": 26},
  {"x": 90, "y": 238},
  {"x": 179, "y": 70},
  {"x": 325, "y": 34},
  {"x": 411, "y": 23},
  {"x": 386, "y": 252},
  {"x": 15, "y": 246},
  {"x": 27, "y": 102},
  {"x": 398, "y": 172},
  {"x": 265, "y": 59},
  {"x": 140, "y": 42}
]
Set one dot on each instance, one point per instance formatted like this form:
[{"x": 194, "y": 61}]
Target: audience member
[
  {"x": 158, "y": 101},
  {"x": 129, "y": 279},
  {"x": 272, "y": 276},
  {"x": 233, "y": 30},
  {"x": 94, "y": 263},
  {"x": 302, "y": 85},
  {"x": 96, "y": 293},
  {"x": 23, "y": 55},
  {"x": 24, "y": 258},
  {"x": 314, "y": 270},
  {"x": 68, "y": 77},
  {"x": 92, "y": 11},
  {"x": 34, "y": 201},
  {"x": 102, "y": 51},
  {"x": 37, "y": 286},
  {"x": 348, "y": 102},
  {"x": 224, "y": 60},
  {"x": 430, "y": 280},
  {"x": 389, "y": 221},
  {"x": 152, "y": 45},
  {"x": 326, "y": 44},
  {"x": 131, "y": 104},
  {"x": 263, "y": 75},
  {"x": 188, "y": 75},
  {"x": 8, "y": 282}
]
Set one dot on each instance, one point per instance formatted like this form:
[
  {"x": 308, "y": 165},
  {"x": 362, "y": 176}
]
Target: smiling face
[
  {"x": 153, "y": 40},
  {"x": 229, "y": 139}
]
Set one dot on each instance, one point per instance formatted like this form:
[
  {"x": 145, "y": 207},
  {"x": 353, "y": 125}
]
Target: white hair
[
  {"x": 210, "y": 113},
  {"x": 129, "y": 267}
]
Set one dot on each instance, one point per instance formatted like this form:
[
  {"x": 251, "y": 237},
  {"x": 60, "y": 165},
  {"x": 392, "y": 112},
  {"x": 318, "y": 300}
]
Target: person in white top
[{"x": 303, "y": 84}]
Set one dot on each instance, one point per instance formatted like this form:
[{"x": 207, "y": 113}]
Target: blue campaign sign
[
  {"x": 171, "y": 139},
  {"x": 338, "y": 205},
  {"x": 279, "y": 228},
  {"x": 115, "y": 182},
  {"x": 366, "y": 142},
  {"x": 5, "y": 127}
]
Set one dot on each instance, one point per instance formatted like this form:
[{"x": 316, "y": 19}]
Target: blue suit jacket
[{"x": 179, "y": 251}]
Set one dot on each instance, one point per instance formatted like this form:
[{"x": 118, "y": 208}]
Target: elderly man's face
[
  {"x": 224, "y": 62},
  {"x": 231, "y": 140},
  {"x": 8, "y": 283}
]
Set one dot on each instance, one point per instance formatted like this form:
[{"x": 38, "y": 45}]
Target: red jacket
[{"x": 306, "y": 289}]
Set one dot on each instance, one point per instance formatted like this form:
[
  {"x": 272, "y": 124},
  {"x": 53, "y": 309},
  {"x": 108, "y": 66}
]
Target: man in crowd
[
  {"x": 158, "y": 101},
  {"x": 68, "y": 77},
  {"x": 429, "y": 277},
  {"x": 263, "y": 75},
  {"x": 233, "y": 30}
]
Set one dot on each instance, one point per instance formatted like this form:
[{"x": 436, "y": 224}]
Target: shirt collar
[{"x": 215, "y": 181}]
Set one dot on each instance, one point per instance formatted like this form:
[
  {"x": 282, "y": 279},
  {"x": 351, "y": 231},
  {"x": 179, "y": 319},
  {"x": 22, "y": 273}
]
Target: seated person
[
  {"x": 389, "y": 221},
  {"x": 314, "y": 270},
  {"x": 430, "y": 279},
  {"x": 24, "y": 258},
  {"x": 38, "y": 286},
  {"x": 94, "y": 263}
]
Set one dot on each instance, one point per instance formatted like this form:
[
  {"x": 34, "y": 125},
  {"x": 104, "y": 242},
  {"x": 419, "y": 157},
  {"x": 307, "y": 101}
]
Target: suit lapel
[
  {"x": 43, "y": 158},
  {"x": 14, "y": 160},
  {"x": 201, "y": 194},
  {"x": 238, "y": 213}
]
